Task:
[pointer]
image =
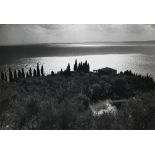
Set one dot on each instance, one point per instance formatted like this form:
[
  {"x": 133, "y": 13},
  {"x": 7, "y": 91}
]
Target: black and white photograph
[{"x": 77, "y": 77}]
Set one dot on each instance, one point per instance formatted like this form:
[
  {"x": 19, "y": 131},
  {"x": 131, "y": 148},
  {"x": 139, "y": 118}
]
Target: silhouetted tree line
[
  {"x": 83, "y": 67},
  {"x": 78, "y": 67},
  {"x": 139, "y": 82},
  {"x": 138, "y": 76},
  {"x": 18, "y": 74}
]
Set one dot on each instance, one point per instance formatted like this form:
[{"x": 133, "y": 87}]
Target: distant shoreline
[{"x": 82, "y": 43}]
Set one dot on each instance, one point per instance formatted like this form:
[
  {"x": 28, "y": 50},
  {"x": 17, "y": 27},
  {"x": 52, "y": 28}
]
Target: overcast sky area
[{"x": 74, "y": 33}]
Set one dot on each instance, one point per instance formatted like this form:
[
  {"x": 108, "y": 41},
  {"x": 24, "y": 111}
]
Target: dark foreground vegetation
[{"x": 62, "y": 101}]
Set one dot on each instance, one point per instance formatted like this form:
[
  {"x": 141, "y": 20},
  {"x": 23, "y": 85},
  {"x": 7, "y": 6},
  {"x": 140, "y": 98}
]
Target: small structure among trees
[{"x": 106, "y": 71}]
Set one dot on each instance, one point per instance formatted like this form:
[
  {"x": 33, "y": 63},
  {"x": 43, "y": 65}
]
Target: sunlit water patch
[{"x": 138, "y": 63}]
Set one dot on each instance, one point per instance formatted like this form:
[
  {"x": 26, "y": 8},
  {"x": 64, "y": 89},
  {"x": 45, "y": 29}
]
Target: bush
[
  {"x": 120, "y": 87},
  {"x": 139, "y": 112}
]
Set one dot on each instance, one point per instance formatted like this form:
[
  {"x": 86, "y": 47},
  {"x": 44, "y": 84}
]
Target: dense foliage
[{"x": 62, "y": 101}]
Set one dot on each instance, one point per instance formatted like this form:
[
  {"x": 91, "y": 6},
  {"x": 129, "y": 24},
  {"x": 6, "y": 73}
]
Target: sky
[{"x": 74, "y": 33}]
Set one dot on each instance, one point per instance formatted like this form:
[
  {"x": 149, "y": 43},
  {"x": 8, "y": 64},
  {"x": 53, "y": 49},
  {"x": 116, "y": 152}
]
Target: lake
[
  {"x": 138, "y": 63},
  {"x": 139, "y": 59}
]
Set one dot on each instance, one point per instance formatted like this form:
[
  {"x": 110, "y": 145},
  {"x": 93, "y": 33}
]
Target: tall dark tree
[
  {"x": 75, "y": 65},
  {"x": 61, "y": 72},
  {"x": 88, "y": 69},
  {"x": 19, "y": 74},
  {"x": 80, "y": 66},
  {"x": 42, "y": 70},
  {"x": 10, "y": 75},
  {"x": 68, "y": 68},
  {"x": 23, "y": 73},
  {"x": 67, "y": 72},
  {"x": 15, "y": 75},
  {"x": 27, "y": 75},
  {"x": 38, "y": 70},
  {"x": 83, "y": 67},
  {"x": 34, "y": 73},
  {"x": 5, "y": 77},
  {"x": 30, "y": 72},
  {"x": 52, "y": 73},
  {"x": 2, "y": 76}
]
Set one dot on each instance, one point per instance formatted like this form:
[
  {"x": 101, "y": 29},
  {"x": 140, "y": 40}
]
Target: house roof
[{"x": 107, "y": 69}]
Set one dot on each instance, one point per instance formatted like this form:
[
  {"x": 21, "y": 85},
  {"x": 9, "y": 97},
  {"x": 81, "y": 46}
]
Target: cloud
[
  {"x": 123, "y": 28},
  {"x": 115, "y": 28},
  {"x": 42, "y": 33}
]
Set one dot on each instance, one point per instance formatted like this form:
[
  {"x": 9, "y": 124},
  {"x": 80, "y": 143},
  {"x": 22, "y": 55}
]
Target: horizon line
[{"x": 93, "y": 42}]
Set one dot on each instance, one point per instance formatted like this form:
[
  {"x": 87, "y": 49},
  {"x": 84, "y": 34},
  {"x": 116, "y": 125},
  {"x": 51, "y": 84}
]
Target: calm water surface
[{"x": 139, "y": 63}]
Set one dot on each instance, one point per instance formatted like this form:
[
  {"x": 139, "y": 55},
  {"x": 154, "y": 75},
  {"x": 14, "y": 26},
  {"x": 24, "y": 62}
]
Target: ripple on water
[{"x": 138, "y": 63}]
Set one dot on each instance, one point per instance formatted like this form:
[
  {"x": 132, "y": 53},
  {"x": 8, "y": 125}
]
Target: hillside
[{"x": 62, "y": 101}]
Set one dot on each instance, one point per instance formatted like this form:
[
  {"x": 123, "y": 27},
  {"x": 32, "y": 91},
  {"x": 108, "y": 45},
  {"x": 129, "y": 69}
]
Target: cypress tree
[
  {"x": 84, "y": 67},
  {"x": 42, "y": 70},
  {"x": 2, "y": 76},
  {"x": 19, "y": 74},
  {"x": 23, "y": 73},
  {"x": 38, "y": 70},
  {"x": 15, "y": 75},
  {"x": 61, "y": 72},
  {"x": 68, "y": 71},
  {"x": 80, "y": 66},
  {"x": 5, "y": 77},
  {"x": 30, "y": 72},
  {"x": 10, "y": 75},
  {"x": 68, "y": 68},
  {"x": 34, "y": 73},
  {"x": 27, "y": 75},
  {"x": 75, "y": 65},
  {"x": 52, "y": 73},
  {"x": 88, "y": 68}
]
